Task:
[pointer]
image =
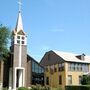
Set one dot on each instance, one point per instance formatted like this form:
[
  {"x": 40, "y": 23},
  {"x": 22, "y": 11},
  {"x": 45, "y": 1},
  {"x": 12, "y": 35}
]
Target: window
[
  {"x": 58, "y": 68},
  {"x": 87, "y": 68},
  {"x": 73, "y": 67},
  {"x": 55, "y": 69},
  {"x": 37, "y": 73},
  {"x": 22, "y": 42},
  {"x": 23, "y": 38},
  {"x": 46, "y": 68},
  {"x": 80, "y": 79},
  {"x": 69, "y": 67},
  {"x": 62, "y": 64},
  {"x": 47, "y": 80},
  {"x": 36, "y": 68},
  {"x": 61, "y": 67},
  {"x": 83, "y": 67},
  {"x": 69, "y": 79},
  {"x": 18, "y": 42},
  {"x": 33, "y": 66},
  {"x": 78, "y": 67},
  {"x": 60, "y": 79},
  {"x": 18, "y": 37},
  {"x": 40, "y": 69},
  {"x": 51, "y": 69}
]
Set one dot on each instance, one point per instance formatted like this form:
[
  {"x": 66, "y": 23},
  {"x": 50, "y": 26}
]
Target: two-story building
[{"x": 62, "y": 68}]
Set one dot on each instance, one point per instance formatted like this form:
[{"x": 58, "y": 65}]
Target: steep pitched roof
[
  {"x": 51, "y": 58},
  {"x": 21, "y": 32},
  {"x": 55, "y": 57},
  {"x": 72, "y": 57},
  {"x": 19, "y": 24}
]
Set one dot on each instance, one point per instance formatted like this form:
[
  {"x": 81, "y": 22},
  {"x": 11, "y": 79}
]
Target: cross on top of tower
[
  {"x": 19, "y": 24},
  {"x": 20, "y": 5}
]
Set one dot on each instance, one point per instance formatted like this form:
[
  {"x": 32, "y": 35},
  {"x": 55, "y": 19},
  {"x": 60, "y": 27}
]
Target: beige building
[{"x": 63, "y": 68}]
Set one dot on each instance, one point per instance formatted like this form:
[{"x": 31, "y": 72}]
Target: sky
[{"x": 62, "y": 25}]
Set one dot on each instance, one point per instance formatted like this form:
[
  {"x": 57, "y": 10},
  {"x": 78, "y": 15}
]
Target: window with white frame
[
  {"x": 78, "y": 67},
  {"x": 69, "y": 79}
]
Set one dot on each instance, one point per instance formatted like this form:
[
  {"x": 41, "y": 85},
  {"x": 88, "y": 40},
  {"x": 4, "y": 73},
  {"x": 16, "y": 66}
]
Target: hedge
[
  {"x": 22, "y": 88},
  {"x": 81, "y": 87}
]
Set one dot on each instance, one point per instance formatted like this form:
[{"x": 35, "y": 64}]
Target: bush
[
  {"x": 4, "y": 89},
  {"x": 23, "y": 88},
  {"x": 39, "y": 87},
  {"x": 85, "y": 80},
  {"x": 59, "y": 88},
  {"x": 82, "y": 87}
]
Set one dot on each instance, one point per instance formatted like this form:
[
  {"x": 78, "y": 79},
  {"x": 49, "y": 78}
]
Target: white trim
[
  {"x": 1, "y": 84},
  {"x": 15, "y": 39},
  {"x": 10, "y": 78},
  {"x": 20, "y": 54},
  {"x": 14, "y": 87},
  {"x": 16, "y": 68},
  {"x": 23, "y": 77}
]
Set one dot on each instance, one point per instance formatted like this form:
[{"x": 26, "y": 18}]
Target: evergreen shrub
[
  {"x": 23, "y": 88},
  {"x": 81, "y": 87}
]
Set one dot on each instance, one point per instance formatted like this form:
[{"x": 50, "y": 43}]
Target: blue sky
[{"x": 62, "y": 25}]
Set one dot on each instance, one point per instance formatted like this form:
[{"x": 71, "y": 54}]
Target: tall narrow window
[
  {"x": 69, "y": 79},
  {"x": 47, "y": 80},
  {"x": 87, "y": 68},
  {"x": 55, "y": 69},
  {"x": 80, "y": 78},
  {"x": 33, "y": 66},
  {"x": 62, "y": 66},
  {"x": 52, "y": 69},
  {"x": 59, "y": 67},
  {"x": 46, "y": 69},
  {"x": 60, "y": 79},
  {"x": 69, "y": 66}
]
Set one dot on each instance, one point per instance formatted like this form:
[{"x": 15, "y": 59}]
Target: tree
[
  {"x": 4, "y": 40},
  {"x": 85, "y": 80}
]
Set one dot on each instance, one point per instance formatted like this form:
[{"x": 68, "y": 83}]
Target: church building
[
  {"x": 62, "y": 69},
  {"x": 20, "y": 69}
]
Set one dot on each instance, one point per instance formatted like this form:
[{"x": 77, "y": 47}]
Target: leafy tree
[
  {"x": 85, "y": 80},
  {"x": 4, "y": 40}
]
